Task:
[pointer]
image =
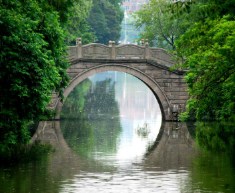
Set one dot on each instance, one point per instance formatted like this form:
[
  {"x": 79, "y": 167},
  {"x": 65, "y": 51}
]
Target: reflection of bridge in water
[
  {"x": 150, "y": 65},
  {"x": 174, "y": 148}
]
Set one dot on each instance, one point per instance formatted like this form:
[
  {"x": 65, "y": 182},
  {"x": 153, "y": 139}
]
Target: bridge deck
[{"x": 121, "y": 53}]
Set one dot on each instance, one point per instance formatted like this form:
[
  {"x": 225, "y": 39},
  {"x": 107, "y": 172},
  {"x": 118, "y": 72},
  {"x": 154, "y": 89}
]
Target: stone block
[
  {"x": 75, "y": 70},
  {"x": 167, "y": 80},
  {"x": 177, "y": 84},
  {"x": 183, "y": 93},
  {"x": 77, "y": 65},
  {"x": 178, "y": 101},
  {"x": 173, "y": 75},
  {"x": 177, "y": 80},
  {"x": 183, "y": 97},
  {"x": 168, "y": 85},
  {"x": 172, "y": 89},
  {"x": 72, "y": 75},
  {"x": 158, "y": 80},
  {"x": 161, "y": 84}
]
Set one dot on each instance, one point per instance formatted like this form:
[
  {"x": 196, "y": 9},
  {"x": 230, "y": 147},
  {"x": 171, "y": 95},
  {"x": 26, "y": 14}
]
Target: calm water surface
[{"x": 111, "y": 139}]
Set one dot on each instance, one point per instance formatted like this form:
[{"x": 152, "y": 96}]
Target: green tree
[
  {"x": 32, "y": 65},
  {"x": 91, "y": 117},
  {"x": 209, "y": 53},
  {"x": 77, "y": 25},
  {"x": 162, "y": 22},
  {"x": 105, "y": 20},
  {"x": 216, "y": 137},
  {"x": 74, "y": 104}
]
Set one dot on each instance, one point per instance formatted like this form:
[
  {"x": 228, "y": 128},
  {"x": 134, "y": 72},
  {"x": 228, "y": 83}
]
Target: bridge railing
[{"x": 123, "y": 51}]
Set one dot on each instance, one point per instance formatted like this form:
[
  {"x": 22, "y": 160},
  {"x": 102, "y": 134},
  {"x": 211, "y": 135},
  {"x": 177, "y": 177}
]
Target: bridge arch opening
[
  {"x": 148, "y": 81},
  {"x": 119, "y": 108}
]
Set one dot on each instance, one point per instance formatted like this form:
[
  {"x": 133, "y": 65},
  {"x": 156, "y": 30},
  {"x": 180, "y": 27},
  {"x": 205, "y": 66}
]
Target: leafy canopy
[
  {"x": 209, "y": 52},
  {"x": 32, "y": 65},
  {"x": 163, "y": 22},
  {"x": 105, "y": 20}
]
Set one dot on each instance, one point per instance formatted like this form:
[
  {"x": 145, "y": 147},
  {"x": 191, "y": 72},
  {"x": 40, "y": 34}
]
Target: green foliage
[
  {"x": 91, "y": 118},
  {"x": 32, "y": 65},
  {"x": 163, "y": 23},
  {"x": 73, "y": 18},
  {"x": 208, "y": 47},
  {"x": 101, "y": 100},
  {"x": 217, "y": 137},
  {"x": 77, "y": 25},
  {"x": 202, "y": 32},
  {"x": 207, "y": 170},
  {"x": 25, "y": 154},
  {"x": 105, "y": 20},
  {"x": 74, "y": 104}
]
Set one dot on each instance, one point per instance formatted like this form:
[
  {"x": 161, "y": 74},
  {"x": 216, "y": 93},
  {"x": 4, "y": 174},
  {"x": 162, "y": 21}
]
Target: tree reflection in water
[{"x": 91, "y": 118}]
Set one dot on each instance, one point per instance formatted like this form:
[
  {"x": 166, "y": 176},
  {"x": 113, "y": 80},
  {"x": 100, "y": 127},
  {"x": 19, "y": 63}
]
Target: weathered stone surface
[
  {"x": 175, "y": 89},
  {"x": 151, "y": 65},
  {"x": 75, "y": 70},
  {"x": 174, "y": 148},
  {"x": 93, "y": 51},
  {"x": 130, "y": 52}
]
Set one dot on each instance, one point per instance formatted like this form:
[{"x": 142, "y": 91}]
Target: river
[{"x": 110, "y": 139}]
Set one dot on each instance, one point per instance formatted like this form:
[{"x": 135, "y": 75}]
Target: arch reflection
[{"x": 111, "y": 115}]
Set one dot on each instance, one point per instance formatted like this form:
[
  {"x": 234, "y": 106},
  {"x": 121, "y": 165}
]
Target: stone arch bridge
[{"x": 150, "y": 65}]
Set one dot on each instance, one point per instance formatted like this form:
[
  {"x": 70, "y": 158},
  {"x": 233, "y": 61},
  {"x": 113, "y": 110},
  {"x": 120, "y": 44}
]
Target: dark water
[{"x": 111, "y": 139}]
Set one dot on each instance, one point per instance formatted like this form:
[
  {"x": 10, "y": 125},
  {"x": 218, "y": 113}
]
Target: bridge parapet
[{"x": 118, "y": 52}]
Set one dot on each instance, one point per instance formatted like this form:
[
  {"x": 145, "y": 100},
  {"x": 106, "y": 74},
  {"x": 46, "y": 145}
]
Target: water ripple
[{"x": 137, "y": 181}]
